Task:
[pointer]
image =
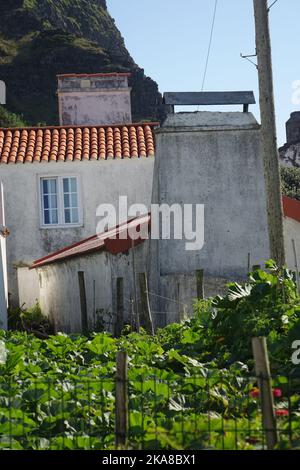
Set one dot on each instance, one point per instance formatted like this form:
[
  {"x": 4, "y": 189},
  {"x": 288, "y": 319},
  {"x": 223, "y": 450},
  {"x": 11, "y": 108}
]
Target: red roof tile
[
  {"x": 110, "y": 241},
  {"x": 46, "y": 144}
]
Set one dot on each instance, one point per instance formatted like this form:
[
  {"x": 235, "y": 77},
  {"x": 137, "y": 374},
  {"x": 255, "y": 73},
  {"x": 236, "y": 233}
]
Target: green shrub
[
  {"x": 30, "y": 320},
  {"x": 8, "y": 119},
  {"x": 290, "y": 179},
  {"x": 267, "y": 305}
]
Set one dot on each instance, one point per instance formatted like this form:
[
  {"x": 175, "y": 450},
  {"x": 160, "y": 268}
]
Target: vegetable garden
[{"x": 191, "y": 386}]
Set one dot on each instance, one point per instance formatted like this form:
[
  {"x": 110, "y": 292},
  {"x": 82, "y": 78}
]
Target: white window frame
[{"x": 60, "y": 203}]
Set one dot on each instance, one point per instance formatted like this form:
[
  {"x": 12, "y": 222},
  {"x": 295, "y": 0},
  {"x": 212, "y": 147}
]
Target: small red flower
[
  {"x": 277, "y": 393},
  {"x": 282, "y": 412},
  {"x": 254, "y": 393}
]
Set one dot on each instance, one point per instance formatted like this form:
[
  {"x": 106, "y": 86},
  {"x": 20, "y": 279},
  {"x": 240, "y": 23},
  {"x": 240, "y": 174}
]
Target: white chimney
[{"x": 94, "y": 99}]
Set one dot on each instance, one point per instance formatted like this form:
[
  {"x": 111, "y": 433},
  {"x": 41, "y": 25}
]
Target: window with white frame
[{"x": 60, "y": 202}]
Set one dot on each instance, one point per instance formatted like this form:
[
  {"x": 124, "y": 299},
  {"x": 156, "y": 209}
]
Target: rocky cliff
[{"x": 42, "y": 38}]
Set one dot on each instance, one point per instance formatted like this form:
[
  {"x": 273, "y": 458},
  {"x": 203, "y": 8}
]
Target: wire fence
[{"x": 164, "y": 412}]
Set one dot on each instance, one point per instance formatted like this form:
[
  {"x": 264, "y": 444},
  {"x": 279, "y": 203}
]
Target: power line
[
  {"x": 272, "y": 5},
  {"x": 210, "y": 43}
]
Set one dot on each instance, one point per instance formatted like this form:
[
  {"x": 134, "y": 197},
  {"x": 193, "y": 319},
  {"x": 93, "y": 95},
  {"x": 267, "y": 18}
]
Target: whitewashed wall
[
  {"x": 28, "y": 287},
  {"x": 291, "y": 232},
  {"x": 59, "y": 288}
]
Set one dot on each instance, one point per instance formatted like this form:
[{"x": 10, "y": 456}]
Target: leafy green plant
[
  {"x": 267, "y": 305},
  {"x": 190, "y": 386}
]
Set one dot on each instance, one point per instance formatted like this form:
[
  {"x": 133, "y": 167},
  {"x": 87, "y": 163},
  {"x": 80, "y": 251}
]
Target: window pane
[
  {"x": 74, "y": 200},
  {"x": 50, "y": 201},
  {"x": 66, "y": 185},
  {"x": 67, "y": 216},
  {"x": 67, "y": 200},
  {"x": 75, "y": 216},
  {"x": 46, "y": 202},
  {"x": 70, "y": 200},
  {"x": 53, "y": 200},
  {"x": 45, "y": 186},
  {"x": 73, "y": 185},
  {"x": 46, "y": 217},
  {"x": 53, "y": 186},
  {"x": 54, "y": 217}
]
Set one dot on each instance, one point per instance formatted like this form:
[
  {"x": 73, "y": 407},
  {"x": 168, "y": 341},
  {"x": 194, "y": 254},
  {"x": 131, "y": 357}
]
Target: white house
[{"x": 54, "y": 178}]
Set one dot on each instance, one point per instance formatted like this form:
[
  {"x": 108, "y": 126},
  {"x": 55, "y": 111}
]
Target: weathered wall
[
  {"x": 89, "y": 108},
  {"x": 178, "y": 294},
  {"x": 213, "y": 159},
  {"x": 101, "y": 182},
  {"x": 94, "y": 100},
  {"x": 59, "y": 288},
  {"x": 28, "y": 286},
  {"x": 291, "y": 232}
]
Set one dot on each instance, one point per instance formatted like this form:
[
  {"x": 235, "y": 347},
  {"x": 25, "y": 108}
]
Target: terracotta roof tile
[{"x": 52, "y": 144}]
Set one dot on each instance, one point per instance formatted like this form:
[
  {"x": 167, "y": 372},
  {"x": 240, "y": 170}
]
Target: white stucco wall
[
  {"x": 213, "y": 159},
  {"x": 28, "y": 287},
  {"x": 59, "y": 288},
  {"x": 100, "y": 181},
  {"x": 291, "y": 232},
  {"x": 94, "y": 99},
  {"x": 95, "y": 108}
]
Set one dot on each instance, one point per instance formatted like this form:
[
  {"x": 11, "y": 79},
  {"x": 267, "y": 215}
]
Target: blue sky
[{"x": 169, "y": 39}]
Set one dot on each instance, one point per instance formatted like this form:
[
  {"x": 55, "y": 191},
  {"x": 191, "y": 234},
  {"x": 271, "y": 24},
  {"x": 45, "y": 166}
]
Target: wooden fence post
[
  {"x": 296, "y": 265},
  {"x": 262, "y": 370},
  {"x": 82, "y": 293},
  {"x": 121, "y": 406},
  {"x": 146, "y": 317},
  {"x": 200, "y": 283},
  {"x": 120, "y": 307}
]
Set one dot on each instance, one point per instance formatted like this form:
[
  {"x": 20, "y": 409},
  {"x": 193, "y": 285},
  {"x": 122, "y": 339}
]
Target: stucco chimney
[
  {"x": 293, "y": 128},
  {"x": 94, "y": 99}
]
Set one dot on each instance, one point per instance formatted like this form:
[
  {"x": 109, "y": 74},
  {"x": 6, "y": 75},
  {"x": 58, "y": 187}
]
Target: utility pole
[
  {"x": 4, "y": 232},
  {"x": 268, "y": 131}
]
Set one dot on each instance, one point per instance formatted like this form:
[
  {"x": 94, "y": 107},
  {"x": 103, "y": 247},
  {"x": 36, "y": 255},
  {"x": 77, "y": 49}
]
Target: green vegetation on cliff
[
  {"x": 40, "y": 39},
  {"x": 8, "y": 119}
]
